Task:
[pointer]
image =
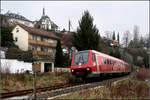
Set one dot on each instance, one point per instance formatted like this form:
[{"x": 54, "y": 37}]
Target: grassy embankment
[
  {"x": 135, "y": 88},
  {"x": 15, "y": 82}
]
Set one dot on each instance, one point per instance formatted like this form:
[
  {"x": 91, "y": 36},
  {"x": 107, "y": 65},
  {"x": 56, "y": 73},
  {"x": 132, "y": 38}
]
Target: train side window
[
  {"x": 110, "y": 62},
  {"x": 105, "y": 61},
  {"x": 93, "y": 57}
]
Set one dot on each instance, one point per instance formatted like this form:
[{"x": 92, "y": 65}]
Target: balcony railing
[
  {"x": 42, "y": 43},
  {"x": 42, "y": 53}
]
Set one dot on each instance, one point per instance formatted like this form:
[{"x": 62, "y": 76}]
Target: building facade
[
  {"x": 13, "y": 18},
  {"x": 45, "y": 23},
  {"x": 42, "y": 44}
]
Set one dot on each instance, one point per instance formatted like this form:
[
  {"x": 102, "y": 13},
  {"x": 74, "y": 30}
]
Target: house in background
[
  {"x": 45, "y": 23},
  {"x": 12, "y": 18},
  {"x": 3, "y": 52},
  {"x": 42, "y": 43}
]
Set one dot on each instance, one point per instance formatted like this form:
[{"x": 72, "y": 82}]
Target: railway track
[
  {"x": 38, "y": 90},
  {"x": 60, "y": 89}
]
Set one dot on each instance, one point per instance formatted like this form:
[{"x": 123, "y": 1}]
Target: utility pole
[{"x": 34, "y": 85}]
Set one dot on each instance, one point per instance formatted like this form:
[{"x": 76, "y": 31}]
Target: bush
[
  {"x": 129, "y": 89},
  {"x": 142, "y": 73},
  {"x": 15, "y": 53}
]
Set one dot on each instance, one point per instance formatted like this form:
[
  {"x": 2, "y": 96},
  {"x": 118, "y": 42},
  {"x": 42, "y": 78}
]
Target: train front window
[{"x": 81, "y": 58}]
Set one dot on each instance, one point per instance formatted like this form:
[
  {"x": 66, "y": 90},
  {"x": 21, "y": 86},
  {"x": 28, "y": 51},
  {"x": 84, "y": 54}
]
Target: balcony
[
  {"x": 42, "y": 53},
  {"x": 42, "y": 43}
]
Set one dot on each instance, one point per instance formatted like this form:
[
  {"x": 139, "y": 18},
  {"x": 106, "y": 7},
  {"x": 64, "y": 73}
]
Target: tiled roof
[
  {"x": 13, "y": 15},
  {"x": 39, "y": 32}
]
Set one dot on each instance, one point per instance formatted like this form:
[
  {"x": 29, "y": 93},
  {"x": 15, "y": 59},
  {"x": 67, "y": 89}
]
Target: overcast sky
[{"x": 108, "y": 16}]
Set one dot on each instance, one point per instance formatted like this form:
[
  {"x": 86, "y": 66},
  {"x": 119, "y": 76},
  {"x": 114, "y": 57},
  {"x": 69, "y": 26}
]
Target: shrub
[{"x": 142, "y": 73}]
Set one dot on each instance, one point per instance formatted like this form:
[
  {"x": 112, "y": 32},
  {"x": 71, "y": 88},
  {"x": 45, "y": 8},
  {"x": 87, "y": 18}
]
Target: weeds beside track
[{"x": 63, "y": 88}]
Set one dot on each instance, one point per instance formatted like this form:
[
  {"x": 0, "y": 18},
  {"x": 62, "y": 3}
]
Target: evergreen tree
[
  {"x": 114, "y": 37},
  {"x": 58, "y": 55},
  {"x": 87, "y": 36},
  {"x": 146, "y": 62},
  {"x": 117, "y": 53},
  {"x": 6, "y": 37},
  {"x": 118, "y": 38}
]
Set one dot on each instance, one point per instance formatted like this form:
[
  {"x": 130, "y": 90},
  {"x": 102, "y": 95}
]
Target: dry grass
[
  {"x": 125, "y": 89},
  {"x": 142, "y": 73},
  {"x": 14, "y": 82},
  {"x": 130, "y": 88}
]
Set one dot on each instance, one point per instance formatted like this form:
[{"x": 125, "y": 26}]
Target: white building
[
  {"x": 45, "y": 23},
  {"x": 3, "y": 52},
  {"x": 16, "y": 18},
  {"x": 42, "y": 43}
]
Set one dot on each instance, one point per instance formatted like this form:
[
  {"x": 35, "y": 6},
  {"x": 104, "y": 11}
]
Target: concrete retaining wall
[{"x": 56, "y": 69}]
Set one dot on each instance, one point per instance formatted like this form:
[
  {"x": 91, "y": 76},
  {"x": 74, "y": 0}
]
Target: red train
[{"x": 90, "y": 63}]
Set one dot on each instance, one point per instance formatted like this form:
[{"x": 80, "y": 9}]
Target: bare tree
[
  {"x": 136, "y": 35},
  {"x": 108, "y": 34},
  {"x": 141, "y": 41},
  {"x": 126, "y": 38},
  {"x": 118, "y": 38}
]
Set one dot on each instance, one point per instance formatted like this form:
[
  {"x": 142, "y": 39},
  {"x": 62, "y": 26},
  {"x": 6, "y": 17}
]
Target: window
[
  {"x": 54, "y": 51},
  {"x": 34, "y": 37},
  {"x": 42, "y": 38},
  {"x": 27, "y": 24},
  {"x": 110, "y": 62},
  {"x": 43, "y": 26},
  {"x": 16, "y": 39},
  {"x": 105, "y": 61},
  {"x": 34, "y": 47},
  {"x": 45, "y": 49},
  {"x": 42, "y": 48},
  {"x": 17, "y": 30},
  {"x": 45, "y": 39},
  {"x": 93, "y": 56},
  {"x": 81, "y": 58},
  {"x": 55, "y": 41}
]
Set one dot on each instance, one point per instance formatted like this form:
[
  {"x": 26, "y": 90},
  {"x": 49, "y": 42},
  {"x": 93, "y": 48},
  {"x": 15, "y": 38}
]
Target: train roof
[{"x": 104, "y": 55}]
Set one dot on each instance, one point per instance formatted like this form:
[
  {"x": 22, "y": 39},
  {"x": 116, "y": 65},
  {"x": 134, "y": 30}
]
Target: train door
[
  {"x": 94, "y": 64},
  {"x": 105, "y": 65},
  {"x": 97, "y": 63},
  {"x": 102, "y": 64}
]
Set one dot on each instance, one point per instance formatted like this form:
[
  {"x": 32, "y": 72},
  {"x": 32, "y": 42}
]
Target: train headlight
[
  {"x": 72, "y": 70},
  {"x": 88, "y": 69}
]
